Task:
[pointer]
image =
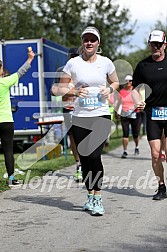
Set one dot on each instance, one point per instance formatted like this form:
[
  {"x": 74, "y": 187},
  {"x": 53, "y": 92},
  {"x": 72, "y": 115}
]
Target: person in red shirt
[{"x": 129, "y": 116}]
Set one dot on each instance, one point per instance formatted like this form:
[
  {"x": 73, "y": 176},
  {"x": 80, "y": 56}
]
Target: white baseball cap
[
  {"x": 157, "y": 36},
  {"x": 128, "y": 78},
  {"x": 91, "y": 30}
]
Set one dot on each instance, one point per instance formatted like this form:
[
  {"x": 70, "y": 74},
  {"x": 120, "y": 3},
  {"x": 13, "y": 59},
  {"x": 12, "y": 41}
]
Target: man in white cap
[{"x": 152, "y": 71}]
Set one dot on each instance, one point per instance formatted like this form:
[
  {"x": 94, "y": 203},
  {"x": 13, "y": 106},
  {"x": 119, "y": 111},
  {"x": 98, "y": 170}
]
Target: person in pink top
[{"x": 129, "y": 116}]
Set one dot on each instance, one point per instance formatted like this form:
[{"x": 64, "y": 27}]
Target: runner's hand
[
  {"x": 141, "y": 105},
  {"x": 82, "y": 92},
  {"x": 105, "y": 91}
]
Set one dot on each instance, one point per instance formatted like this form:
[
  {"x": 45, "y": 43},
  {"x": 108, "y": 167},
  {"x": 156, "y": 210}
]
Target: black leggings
[
  {"x": 90, "y": 147},
  {"x": 6, "y": 135},
  {"x": 135, "y": 126}
]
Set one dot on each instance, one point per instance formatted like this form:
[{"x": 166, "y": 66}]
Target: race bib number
[
  {"x": 90, "y": 101},
  {"x": 159, "y": 113},
  {"x": 131, "y": 114}
]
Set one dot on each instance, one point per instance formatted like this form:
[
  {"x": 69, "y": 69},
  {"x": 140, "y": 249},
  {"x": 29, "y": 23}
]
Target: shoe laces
[
  {"x": 89, "y": 198},
  {"x": 97, "y": 202}
]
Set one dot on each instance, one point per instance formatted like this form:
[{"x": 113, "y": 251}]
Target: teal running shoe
[
  {"x": 98, "y": 208},
  {"x": 88, "y": 206}
]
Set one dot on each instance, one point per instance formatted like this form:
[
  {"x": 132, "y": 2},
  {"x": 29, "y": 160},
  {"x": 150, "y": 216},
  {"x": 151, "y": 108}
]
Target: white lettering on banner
[{"x": 21, "y": 90}]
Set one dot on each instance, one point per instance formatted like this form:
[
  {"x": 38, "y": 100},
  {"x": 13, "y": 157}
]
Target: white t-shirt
[{"x": 93, "y": 76}]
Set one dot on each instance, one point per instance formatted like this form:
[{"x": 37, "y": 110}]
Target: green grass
[
  {"x": 41, "y": 167},
  {"x": 3, "y": 186}
]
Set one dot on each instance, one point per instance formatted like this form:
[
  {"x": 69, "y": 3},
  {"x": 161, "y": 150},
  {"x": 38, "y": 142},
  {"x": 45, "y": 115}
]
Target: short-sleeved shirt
[
  {"x": 5, "y": 103},
  {"x": 94, "y": 76},
  {"x": 126, "y": 100}
]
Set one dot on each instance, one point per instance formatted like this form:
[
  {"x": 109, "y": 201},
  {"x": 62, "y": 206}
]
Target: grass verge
[{"x": 42, "y": 167}]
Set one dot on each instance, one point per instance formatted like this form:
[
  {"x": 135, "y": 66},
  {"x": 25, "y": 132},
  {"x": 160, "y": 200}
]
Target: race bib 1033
[{"x": 90, "y": 101}]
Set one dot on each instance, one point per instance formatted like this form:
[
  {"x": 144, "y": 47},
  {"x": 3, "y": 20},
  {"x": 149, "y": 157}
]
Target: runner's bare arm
[
  {"x": 136, "y": 96},
  {"x": 112, "y": 79}
]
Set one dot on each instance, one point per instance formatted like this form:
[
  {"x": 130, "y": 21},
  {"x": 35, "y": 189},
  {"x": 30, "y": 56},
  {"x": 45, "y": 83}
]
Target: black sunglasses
[
  {"x": 157, "y": 44},
  {"x": 85, "y": 40}
]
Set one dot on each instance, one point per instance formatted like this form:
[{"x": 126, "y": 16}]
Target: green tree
[
  {"x": 113, "y": 24},
  {"x": 29, "y": 24},
  {"x": 134, "y": 57},
  {"x": 63, "y": 21},
  {"x": 7, "y": 19},
  {"x": 19, "y": 19},
  {"x": 160, "y": 26}
]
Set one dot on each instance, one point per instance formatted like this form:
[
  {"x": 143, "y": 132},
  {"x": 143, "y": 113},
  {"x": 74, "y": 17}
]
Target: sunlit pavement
[{"x": 47, "y": 215}]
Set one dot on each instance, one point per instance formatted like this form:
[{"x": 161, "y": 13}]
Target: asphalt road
[{"x": 46, "y": 215}]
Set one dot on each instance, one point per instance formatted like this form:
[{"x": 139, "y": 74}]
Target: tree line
[{"x": 63, "y": 21}]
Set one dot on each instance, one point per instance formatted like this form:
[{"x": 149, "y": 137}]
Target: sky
[{"x": 146, "y": 12}]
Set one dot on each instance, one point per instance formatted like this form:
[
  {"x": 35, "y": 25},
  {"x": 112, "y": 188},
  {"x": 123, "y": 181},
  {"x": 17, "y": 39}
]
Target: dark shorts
[{"x": 155, "y": 128}]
